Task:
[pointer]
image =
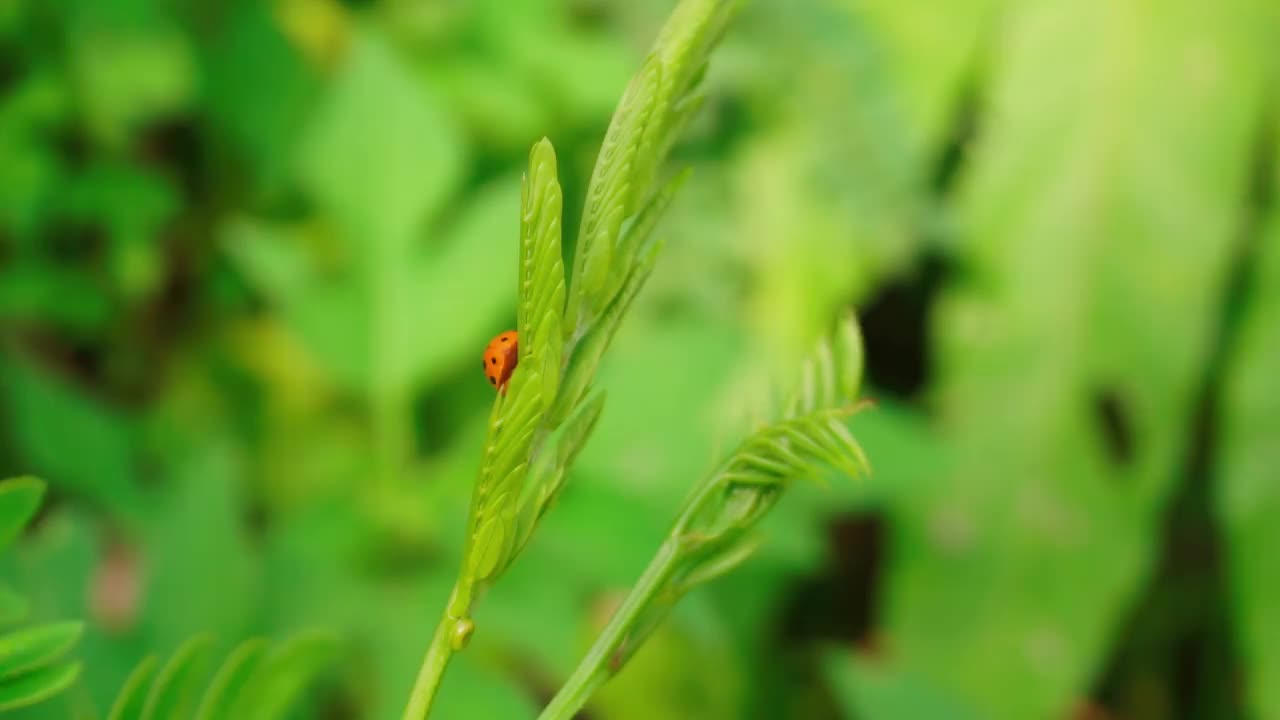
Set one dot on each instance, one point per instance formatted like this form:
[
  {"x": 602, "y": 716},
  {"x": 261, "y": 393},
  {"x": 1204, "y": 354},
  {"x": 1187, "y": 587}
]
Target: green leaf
[
  {"x": 832, "y": 375},
  {"x": 751, "y": 479},
  {"x": 1096, "y": 231},
  {"x": 1248, "y": 494},
  {"x": 716, "y": 527},
  {"x": 335, "y": 321},
  {"x": 237, "y": 671},
  {"x": 45, "y": 412},
  {"x": 609, "y": 194},
  {"x": 28, "y": 672},
  {"x": 34, "y": 170},
  {"x": 261, "y": 118},
  {"x": 132, "y": 697},
  {"x": 493, "y": 526},
  {"x": 542, "y": 290},
  {"x": 713, "y": 533},
  {"x": 379, "y": 158},
  {"x": 588, "y": 354},
  {"x": 683, "y": 48},
  {"x": 61, "y": 296},
  {"x": 253, "y": 683},
  {"x": 175, "y": 687},
  {"x": 19, "y": 500},
  {"x": 37, "y": 685},
  {"x": 130, "y": 65},
  {"x": 722, "y": 563},
  {"x": 638, "y": 235},
  {"x": 578, "y": 430},
  {"x": 549, "y": 479},
  {"x": 196, "y": 541},
  {"x": 380, "y": 153},
  {"x": 473, "y": 251},
  {"x": 30, "y": 649},
  {"x": 133, "y": 207},
  {"x": 657, "y": 104},
  {"x": 284, "y": 674}
]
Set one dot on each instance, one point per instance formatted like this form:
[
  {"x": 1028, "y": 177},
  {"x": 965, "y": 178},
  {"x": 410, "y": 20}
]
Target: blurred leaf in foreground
[
  {"x": 79, "y": 444},
  {"x": 254, "y": 682},
  {"x": 1098, "y": 223},
  {"x": 32, "y": 667},
  {"x": 1248, "y": 498}
]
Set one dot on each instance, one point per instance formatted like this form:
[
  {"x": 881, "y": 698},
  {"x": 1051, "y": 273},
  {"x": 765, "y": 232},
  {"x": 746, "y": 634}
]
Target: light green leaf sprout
[
  {"x": 715, "y": 530},
  {"x": 549, "y": 409}
]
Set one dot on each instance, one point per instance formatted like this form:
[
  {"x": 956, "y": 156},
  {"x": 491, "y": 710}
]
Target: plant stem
[
  {"x": 432, "y": 672},
  {"x": 452, "y": 633},
  {"x": 597, "y": 667}
]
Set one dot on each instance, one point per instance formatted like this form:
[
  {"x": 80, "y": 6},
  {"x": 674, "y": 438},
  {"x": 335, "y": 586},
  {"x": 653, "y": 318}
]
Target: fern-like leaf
[
  {"x": 656, "y": 107},
  {"x": 609, "y": 194},
  {"x": 37, "y": 685},
  {"x": 36, "y": 647},
  {"x": 19, "y": 500},
  {"x": 519, "y": 418},
  {"x": 586, "y": 359},
  {"x": 230, "y": 680},
  {"x": 254, "y": 682},
  {"x": 564, "y": 333},
  {"x": 548, "y": 479},
  {"x": 174, "y": 689},
  {"x": 32, "y": 668},
  {"x": 714, "y": 532},
  {"x": 809, "y": 437},
  {"x": 283, "y": 674},
  {"x": 512, "y": 428},
  {"x": 682, "y": 49},
  {"x": 132, "y": 697},
  {"x": 542, "y": 286}
]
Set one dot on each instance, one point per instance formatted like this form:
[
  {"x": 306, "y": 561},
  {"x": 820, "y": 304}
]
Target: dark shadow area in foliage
[
  {"x": 895, "y": 330},
  {"x": 1114, "y": 425},
  {"x": 11, "y": 67},
  {"x": 896, "y": 320},
  {"x": 837, "y": 606},
  {"x": 443, "y": 411},
  {"x": 964, "y": 128},
  {"x": 1176, "y": 656}
]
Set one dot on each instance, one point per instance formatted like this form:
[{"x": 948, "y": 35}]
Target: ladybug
[{"x": 500, "y": 358}]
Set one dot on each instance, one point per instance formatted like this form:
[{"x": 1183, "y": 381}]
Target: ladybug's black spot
[
  {"x": 493, "y": 380},
  {"x": 505, "y": 338},
  {"x": 493, "y": 361}
]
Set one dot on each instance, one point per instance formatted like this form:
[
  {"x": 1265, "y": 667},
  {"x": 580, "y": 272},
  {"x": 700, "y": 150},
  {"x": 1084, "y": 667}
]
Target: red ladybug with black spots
[{"x": 500, "y": 358}]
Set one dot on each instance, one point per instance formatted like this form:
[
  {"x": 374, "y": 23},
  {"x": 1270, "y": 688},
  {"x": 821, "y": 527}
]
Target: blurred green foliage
[
  {"x": 32, "y": 663},
  {"x": 251, "y": 251}
]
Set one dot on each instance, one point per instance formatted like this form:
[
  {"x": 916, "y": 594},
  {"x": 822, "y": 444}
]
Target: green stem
[
  {"x": 451, "y": 635},
  {"x": 432, "y": 672},
  {"x": 597, "y": 667}
]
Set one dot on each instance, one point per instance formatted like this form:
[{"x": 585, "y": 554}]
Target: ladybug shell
[{"x": 500, "y": 358}]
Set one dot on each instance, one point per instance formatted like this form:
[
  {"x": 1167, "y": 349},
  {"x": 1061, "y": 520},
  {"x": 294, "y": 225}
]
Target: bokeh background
[{"x": 250, "y": 252}]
